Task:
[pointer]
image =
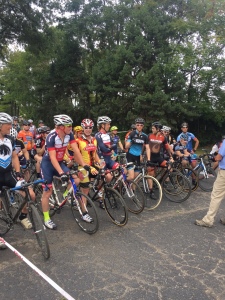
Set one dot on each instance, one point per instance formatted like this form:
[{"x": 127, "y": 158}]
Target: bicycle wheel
[
  {"x": 39, "y": 230},
  {"x": 115, "y": 206},
  {"x": 153, "y": 199},
  {"x": 88, "y": 205},
  {"x": 192, "y": 176},
  {"x": 133, "y": 197},
  {"x": 176, "y": 187},
  {"x": 206, "y": 184},
  {"x": 4, "y": 225}
]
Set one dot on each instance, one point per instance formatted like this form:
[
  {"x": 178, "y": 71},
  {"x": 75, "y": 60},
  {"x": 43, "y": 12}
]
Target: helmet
[
  {"x": 30, "y": 121},
  {"x": 25, "y": 122},
  {"x": 13, "y": 133},
  {"x": 139, "y": 120},
  {"x": 184, "y": 136},
  {"x": 43, "y": 129},
  {"x": 166, "y": 128},
  {"x": 78, "y": 128},
  {"x": 87, "y": 123},
  {"x": 103, "y": 120},
  {"x": 157, "y": 125},
  {"x": 62, "y": 120},
  {"x": 15, "y": 118},
  {"x": 133, "y": 126},
  {"x": 5, "y": 118},
  {"x": 184, "y": 124},
  {"x": 113, "y": 128},
  {"x": 40, "y": 121}
]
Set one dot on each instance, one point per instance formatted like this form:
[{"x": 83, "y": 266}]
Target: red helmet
[{"x": 87, "y": 123}]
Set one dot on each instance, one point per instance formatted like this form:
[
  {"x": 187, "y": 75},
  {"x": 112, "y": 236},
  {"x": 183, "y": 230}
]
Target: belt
[{"x": 222, "y": 169}]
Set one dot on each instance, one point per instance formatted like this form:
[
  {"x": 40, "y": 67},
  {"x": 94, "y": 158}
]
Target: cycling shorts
[
  {"x": 109, "y": 163},
  {"x": 8, "y": 179},
  {"x": 48, "y": 171},
  {"x": 135, "y": 159},
  {"x": 157, "y": 158}
]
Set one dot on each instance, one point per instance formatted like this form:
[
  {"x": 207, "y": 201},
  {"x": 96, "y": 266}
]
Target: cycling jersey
[
  {"x": 53, "y": 142},
  {"x": 156, "y": 142},
  {"x": 137, "y": 140},
  {"x": 191, "y": 137},
  {"x": 6, "y": 150},
  {"x": 87, "y": 149},
  {"x": 19, "y": 146},
  {"x": 180, "y": 148},
  {"x": 27, "y": 138},
  {"x": 115, "y": 139},
  {"x": 105, "y": 144},
  {"x": 39, "y": 142}
]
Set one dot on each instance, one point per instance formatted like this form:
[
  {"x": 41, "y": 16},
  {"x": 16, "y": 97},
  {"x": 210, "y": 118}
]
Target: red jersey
[{"x": 156, "y": 142}]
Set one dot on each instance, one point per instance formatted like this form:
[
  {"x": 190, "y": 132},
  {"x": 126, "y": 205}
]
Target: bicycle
[
  {"x": 152, "y": 200},
  {"x": 13, "y": 203},
  {"x": 76, "y": 200},
  {"x": 113, "y": 201},
  {"x": 129, "y": 190}
]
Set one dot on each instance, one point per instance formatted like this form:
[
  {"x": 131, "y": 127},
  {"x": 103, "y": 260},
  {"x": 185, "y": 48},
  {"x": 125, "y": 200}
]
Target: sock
[
  {"x": 22, "y": 216},
  {"x": 84, "y": 213},
  {"x": 46, "y": 216}
]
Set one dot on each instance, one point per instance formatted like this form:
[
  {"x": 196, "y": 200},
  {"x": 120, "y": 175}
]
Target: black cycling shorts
[{"x": 8, "y": 179}]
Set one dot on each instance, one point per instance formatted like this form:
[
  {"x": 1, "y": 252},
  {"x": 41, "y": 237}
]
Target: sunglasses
[
  {"x": 68, "y": 125},
  {"x": 139, "y": 124},
  {"x": 88, "y": 127}
]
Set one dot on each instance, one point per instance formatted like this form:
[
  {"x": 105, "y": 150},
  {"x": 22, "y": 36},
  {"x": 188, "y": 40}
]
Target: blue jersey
[
  {"x": 137, "y": 140},
  {"x": 222, "y": 153},
  {"x": 191, "y": 137},
  {"x": 115, "y": 139}
]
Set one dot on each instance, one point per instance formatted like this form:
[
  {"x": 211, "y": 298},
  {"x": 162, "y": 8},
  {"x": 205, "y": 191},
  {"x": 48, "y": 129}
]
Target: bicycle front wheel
[
  {"x": 192, "y": 176},
  {"x": 153, "y": 195},
  {"x": 115, "y": 207},
  {"x": 206, "y": 180},
  {"x": 83, "y": 204},
  {"x": 4, "y": 225},
  {"x": 176, "y": 187},
  {"x": 39, "y": 230},
  {"x": 133, "y": 197}
]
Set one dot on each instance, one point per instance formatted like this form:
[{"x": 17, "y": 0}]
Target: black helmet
[
  {"x": 15, "y": 118},
  {"x": 184, "y": 124},
  {"x": 157, "y": 125},
  {"x": 43, "y": 129},
  {"x": 25, "y": 122},
  {"x": 139, "y": 120}
]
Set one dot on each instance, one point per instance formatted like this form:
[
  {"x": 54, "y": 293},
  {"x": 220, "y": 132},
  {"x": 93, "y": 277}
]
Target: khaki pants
[{"x": 217, "y": 196}]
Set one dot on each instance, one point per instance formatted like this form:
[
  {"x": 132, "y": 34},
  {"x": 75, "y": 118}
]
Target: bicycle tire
[
  {"x": 135, "y": 200},
  {"x": 115, "y": 206},
  {"x": 39, "y": 230},
  {"x": 150, "y": 203},
  {"x": 4, "y": 225},
  {"x": 192, "y": 176},
  {"x": 206, "y": 184},
  {"x": 176, "y": 187},
  {"x": 89, "y": 228}
]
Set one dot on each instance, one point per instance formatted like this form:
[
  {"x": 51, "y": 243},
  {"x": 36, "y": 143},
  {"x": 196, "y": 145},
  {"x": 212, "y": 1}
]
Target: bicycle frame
[
  {"x": 201, "y": 164},
  {"x": 122, "y": 178}
]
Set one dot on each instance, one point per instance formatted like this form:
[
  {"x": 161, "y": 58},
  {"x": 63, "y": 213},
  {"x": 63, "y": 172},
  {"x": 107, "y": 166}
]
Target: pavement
[{"x": 158, "y": 255}]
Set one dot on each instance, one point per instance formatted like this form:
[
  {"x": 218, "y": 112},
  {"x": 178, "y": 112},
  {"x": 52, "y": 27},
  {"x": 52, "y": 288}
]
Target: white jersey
[{"x": 6, "y": 150}]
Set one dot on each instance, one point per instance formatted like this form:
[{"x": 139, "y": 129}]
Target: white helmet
[
  {"x": 103, "y": 120},
  {"x": 30, "y": 121},
  {"x": 5, "y": 118},
  {"x": 62, "y": 120},
  {"x": 166, "y": 128},
  {"x": 13, "y": 133}
]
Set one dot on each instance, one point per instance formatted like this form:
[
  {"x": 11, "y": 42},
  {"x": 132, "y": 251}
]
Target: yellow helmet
[{"x": 78, "y": 128}]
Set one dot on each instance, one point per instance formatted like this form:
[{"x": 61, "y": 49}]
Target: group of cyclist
[{"x": 52, "y": 148}]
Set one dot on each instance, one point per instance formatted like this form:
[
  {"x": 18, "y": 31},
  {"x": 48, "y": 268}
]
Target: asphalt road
[{"x": 158, "y": 255}]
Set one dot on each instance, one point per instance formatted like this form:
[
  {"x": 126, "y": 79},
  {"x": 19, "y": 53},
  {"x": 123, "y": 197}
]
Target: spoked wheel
[
  {"x": 115, "y": 207},
  {"x": 192, "y": 176},
  {"x": 206, "y": 182},
  {"x": 153, "y": 196},
  {"x": 84, "y": 204},
  {"x": 4, "y": 225},
  {"x": 39, "y": 230},
  {"x": 176, "y": 187},
  {"x": 133, "y": 197}
]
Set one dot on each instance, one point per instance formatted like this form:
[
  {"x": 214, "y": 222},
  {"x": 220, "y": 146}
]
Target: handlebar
[{"x": 25, "y": 185}]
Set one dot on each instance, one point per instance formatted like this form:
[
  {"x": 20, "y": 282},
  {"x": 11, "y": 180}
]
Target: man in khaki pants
[{"x": 218, "y": 192}]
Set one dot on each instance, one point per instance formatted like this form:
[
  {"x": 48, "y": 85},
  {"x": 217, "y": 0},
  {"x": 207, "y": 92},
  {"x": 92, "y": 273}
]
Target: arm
[
  {"x": 148, "y": 151},
  {"x": 101, "y": 145},
  {"x": 196, "y": 144},
  {"x": 15, "y": 161},
  {"x": 77, "y": 155},
  {"x": 120, "y": 145},
  {"x": 26, "y": 153}
]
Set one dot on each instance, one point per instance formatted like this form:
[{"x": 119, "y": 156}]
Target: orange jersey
[
  {"x": 27, "y": 138},
  {"x": 87, "y": 149}
]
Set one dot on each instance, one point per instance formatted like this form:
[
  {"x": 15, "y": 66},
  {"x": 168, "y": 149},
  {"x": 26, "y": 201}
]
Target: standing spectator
[{"x": 218, "y": 192}]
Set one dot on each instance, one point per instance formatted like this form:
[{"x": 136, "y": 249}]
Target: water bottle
[{"x": 102, "y": 162}]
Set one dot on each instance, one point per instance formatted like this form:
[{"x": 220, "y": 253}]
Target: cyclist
[
  {"x": 32, "y": 127},
  {"x": 115, "y": 139},
  {"x": 9, "y": 160},
  {"x": 78, "y": 131},
  {"x": 42, "y": 133},
  {"x": 52, "y": 161},
  {"x": 16, "y": 124},
  {"x": 191, "y": 137},
  {"x": 87, "y": 145},
  {"x": 132, "y": 128},
  {"x": 135, "y": 143},
  {"x": 181, "y": 149}
]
